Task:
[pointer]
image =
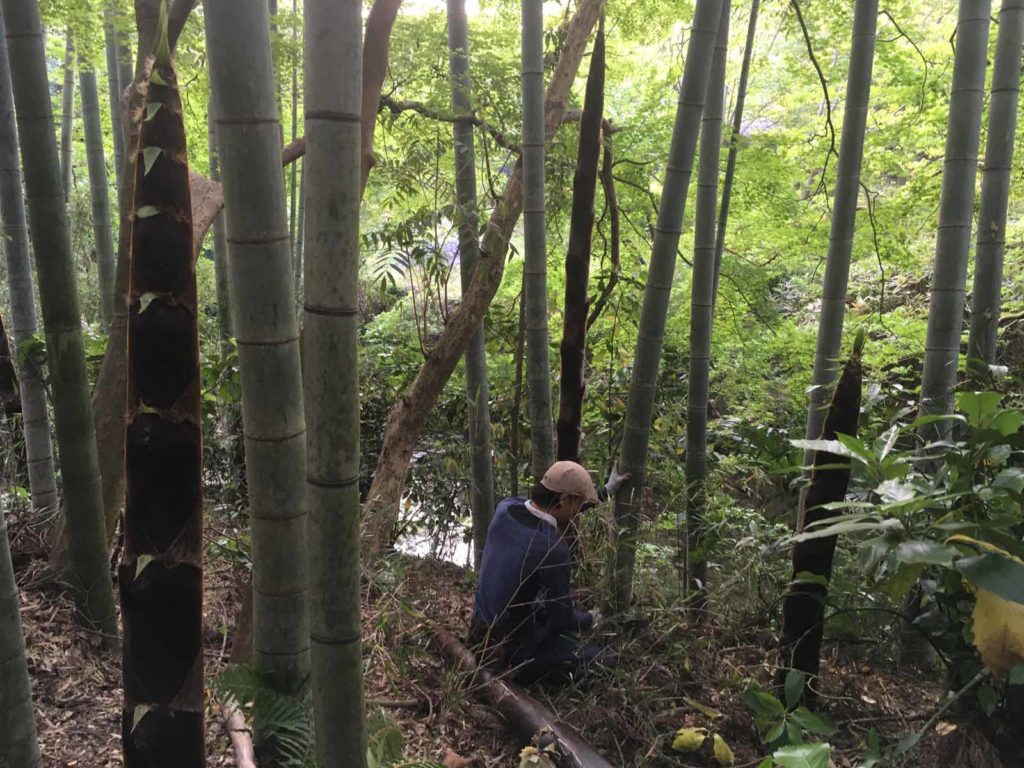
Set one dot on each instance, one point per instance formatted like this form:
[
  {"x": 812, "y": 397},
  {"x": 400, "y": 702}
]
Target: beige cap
[{"x": 571, "y": 478}]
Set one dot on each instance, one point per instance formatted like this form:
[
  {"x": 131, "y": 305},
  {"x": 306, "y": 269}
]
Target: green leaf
[
  {"x": 151, "y": 109},
  {"x": 762, "y": 703},
  {"x": 926, "y": 551},
  {"x": 1003, "y": 576},
  {"x": 141, "y": 710},
  {"x": 1008, "y": 422},
  {"x": 794, "y": 687},
  {"x": 1011, "y": 478},
  {"x": 857, "y": 447},
  {"x": 149, "y": 156},
  {"x": 988, "y": 699},
  {"x": 812, "y": 722},
  {"x": 826, "y": 446},
  {"x": 1016, "y": 676},
  {"x": 977, "y": 406},
  {"x": 803, "y": 756}
]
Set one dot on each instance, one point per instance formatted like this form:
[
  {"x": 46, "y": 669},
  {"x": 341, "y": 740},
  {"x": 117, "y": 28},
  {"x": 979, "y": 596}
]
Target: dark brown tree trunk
[
  {"x": 803, "y": 608},
  {"x": 572, "y": 387},
  {"x": 161, "y": 574}
]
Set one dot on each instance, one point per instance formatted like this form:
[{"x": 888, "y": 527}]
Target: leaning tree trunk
[
  {"x": 114, "y": 89},
  {"x": 956, "y": 215},
  {"x": 220, "y": 246},
  {"x": 263, "y": 320},
  {"x": 572, "y": 385},
  {"x": 844, "y": 214},
  {"x": 51, "y": 242},
  {"x": 702, "y": 302},
  {"x": 478, "y": 400},
  {"x": 654, "y": 311},
  {"x": 67, "y": 117},
  {"x": 20, "y": 288},
  {"x": 333, "y": 55},
  {"x": 18, "y": 746},
  {"x": 535, "y": 253},
  {"x": 99, "y": 192},
  {"x": 161, "y": 571},
  {"x": 406, "y": 418},
  {"x": 995, "y": 192},
  {"x": 734, "y": 147},
  {"x": 803, "y": 608}
]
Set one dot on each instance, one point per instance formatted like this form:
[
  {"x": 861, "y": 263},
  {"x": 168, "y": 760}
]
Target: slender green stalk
[
  {"x": 21, "y": 291},
  {"x": 114, "y": 87},
  {"x": 67, "y": 117},
  {"x": 51, "y": 243},
  {"x": 995, "y": 191},
  {"x": 220, "y": 246},
  {"x": 654, "y": 311},
  {"x": 572, "y": 383},
  {"x": 264, "y": 323},
  {"x": 702, "y": 302},
  {"x": 844, "y": 215},
  {"x": 538, "y": 365},
  {"x": 478, "y": 398},
  {"x": 99, "y": 193},
  {"x": 333, "y": 95},
  {"x": 293, "y": 183},
  {"x": 734, "y": 146},
  {"x": 18, "y": 745},
  {"x": 161, "y": 571},
  {"x": 956, "y": 215}
]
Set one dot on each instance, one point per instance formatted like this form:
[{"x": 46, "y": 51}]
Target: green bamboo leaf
[{"x": 803, "y": 756}]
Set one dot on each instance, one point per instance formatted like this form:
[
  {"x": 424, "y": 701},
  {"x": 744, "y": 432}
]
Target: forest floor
[{"x": 671, "y": 675}]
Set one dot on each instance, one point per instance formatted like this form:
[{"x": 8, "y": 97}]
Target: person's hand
[{"x": 616, "y": 480}]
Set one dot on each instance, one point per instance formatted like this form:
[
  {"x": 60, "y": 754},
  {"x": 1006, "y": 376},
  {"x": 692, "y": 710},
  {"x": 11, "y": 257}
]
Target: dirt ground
[{"x": 671, "y": 675}]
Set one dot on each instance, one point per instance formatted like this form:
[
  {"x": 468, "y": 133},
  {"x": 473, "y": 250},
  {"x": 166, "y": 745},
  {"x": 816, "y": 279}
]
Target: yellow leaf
[
  {"x": 723, "y": 753},
  {"x": 688, "y": 739},
  {"x": 704, "y": 709},
  {"x": 998, "y": 632}
]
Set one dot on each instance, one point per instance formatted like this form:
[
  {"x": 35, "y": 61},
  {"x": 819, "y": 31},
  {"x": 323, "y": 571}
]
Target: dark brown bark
[
  {"x": 406, "y": 418},
  {"x": 525, "y": 716},
  {"x": 376, "y": 44},
  {"x": 160, "y": 575},
  {"x": 572, "y": 384},
  {"x": 803, "y": 608},
  {"x": 612, "y": 202}
]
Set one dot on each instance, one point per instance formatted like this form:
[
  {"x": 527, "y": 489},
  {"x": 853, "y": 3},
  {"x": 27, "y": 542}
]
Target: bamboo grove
[{"x": 256, "y": 362}]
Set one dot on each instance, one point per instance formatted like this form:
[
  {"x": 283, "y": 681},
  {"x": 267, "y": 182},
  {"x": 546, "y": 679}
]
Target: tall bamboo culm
[
  {"x": 18, "y": 745},
  {"x": 114, "y": 87},
  {"x": 478, "y": 398},
  {"x": 702, "y": 302},
  {"x": 21, "y": 290},
  {"x": 264, "y": 323},
  {"x": 734, "y": 146},
  {"x": 654, "y": 311},
  {"x": 161, "y": 571},
  {"x": 58, "y": 294},
  {"x": 844, "y": 215},
  {"x": 995, "y": 192},
  {"x": 956, "y": 215},
  {"x": 333, "y": 95},
  {"x": 67, "y": 117},
  {"x": 103, "y": 237},
  {"x": 538, "y": 365}
]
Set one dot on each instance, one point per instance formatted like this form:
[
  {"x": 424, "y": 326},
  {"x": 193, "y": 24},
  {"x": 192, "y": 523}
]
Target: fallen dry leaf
[{"x": 453, "y": 759}]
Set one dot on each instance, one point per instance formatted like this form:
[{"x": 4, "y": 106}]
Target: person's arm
[{"x": 555, "y": 575}]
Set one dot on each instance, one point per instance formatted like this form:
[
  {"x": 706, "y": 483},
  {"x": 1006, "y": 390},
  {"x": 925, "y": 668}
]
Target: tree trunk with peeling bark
[{"x": 406, "y": 418}]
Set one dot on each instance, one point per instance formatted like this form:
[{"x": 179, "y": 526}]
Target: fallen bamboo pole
[{"x": 524, "y": 715}]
